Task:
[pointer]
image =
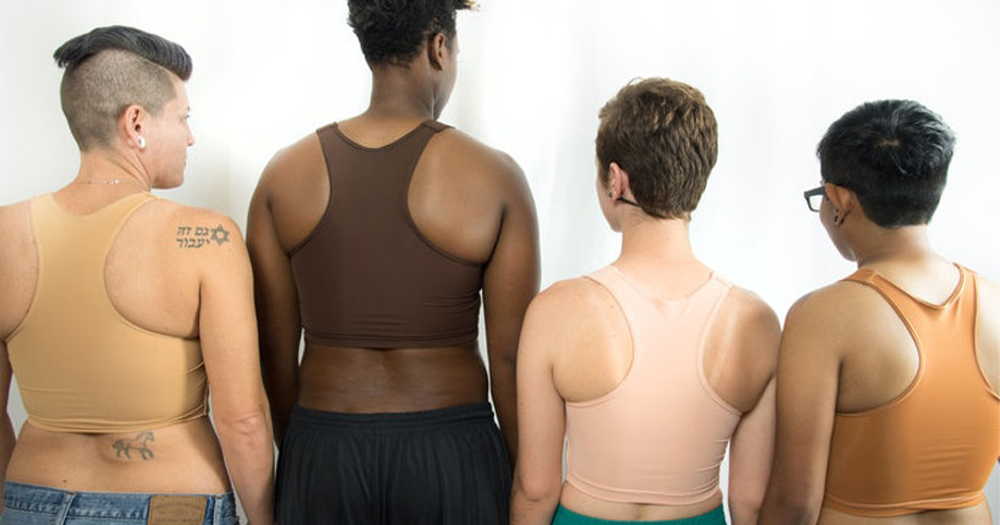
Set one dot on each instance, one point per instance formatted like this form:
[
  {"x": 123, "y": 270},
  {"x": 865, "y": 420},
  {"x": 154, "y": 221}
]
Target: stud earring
[
  {"x": 836, "y": 217},
  {"x": 141, "y": 141}
]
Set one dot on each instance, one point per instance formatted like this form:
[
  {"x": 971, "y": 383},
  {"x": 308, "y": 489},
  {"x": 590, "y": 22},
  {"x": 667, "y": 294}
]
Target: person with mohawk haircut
[{"x": 121, "y": 309}]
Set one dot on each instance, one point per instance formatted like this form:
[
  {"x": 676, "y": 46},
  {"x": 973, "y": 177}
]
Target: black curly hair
[{"x": 393, "y": 31}]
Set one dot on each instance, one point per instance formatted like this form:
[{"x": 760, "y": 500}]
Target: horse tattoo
[{"x": 140, "y": 443}]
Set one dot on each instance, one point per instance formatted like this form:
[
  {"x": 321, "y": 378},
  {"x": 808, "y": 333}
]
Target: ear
[
  {"x": 132, "y": 124},
  {"x": 844, "y": 200},
  {"x": 618, "y": 183},
  {"x": 437, "y": 47}
]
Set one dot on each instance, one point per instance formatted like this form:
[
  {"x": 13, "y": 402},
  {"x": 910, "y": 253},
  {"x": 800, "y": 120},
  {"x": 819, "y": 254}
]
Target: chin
[{"x": 845, "y": 252}]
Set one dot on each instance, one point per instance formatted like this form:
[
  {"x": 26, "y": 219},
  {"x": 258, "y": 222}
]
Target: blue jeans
[{"x": 25, "y": 504}]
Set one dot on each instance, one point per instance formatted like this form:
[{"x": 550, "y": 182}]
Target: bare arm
[
  {"x": 229, "y": 345},
  {"x": 753, "y": 333},
  {"x": 541, "y": 410},
  {"x": 279, "y": 324},
  {"x": 7, "y": 438},
  {"x": 510, "y": 282},
  {"x": 750, "y": 453},
  {"x": 17, "y": 263},
  {"x": 807, "y": 381}
]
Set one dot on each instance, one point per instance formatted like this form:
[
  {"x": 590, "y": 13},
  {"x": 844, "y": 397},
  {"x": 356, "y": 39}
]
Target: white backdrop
[{"x": 533, "y": 75}]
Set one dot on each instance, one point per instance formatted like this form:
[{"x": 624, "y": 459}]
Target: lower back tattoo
[{"x": 140, "y": 444}]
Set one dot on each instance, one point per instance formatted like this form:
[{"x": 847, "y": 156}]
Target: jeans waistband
[{"x": 110, "y": 505}]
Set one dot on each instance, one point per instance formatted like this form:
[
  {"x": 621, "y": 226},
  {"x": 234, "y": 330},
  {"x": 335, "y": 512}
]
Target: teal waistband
[{"x": 565, "y": 516}]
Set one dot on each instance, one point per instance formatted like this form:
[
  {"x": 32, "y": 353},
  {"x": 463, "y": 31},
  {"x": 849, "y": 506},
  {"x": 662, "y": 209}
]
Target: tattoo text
[{"x": 199, "y": 236}]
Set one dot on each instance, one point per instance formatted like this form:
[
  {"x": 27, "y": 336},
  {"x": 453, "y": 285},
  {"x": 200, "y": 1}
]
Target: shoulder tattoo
[{"x": 194, "y": 237}]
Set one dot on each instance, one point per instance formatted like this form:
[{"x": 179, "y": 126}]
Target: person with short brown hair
[{"x": 649, "y": 366}]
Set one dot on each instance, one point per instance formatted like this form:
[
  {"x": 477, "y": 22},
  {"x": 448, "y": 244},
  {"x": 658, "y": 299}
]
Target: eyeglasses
[{"x": 814, "y": 197}]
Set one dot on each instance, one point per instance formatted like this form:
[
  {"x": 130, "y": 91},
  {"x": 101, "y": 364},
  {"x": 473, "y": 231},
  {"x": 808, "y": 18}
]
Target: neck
[
  {"x": 402, "y": 93},
  {"x": 101, "y": 168},
  {"x": 888, "y": 245},
  {"x": 661, "y": 241}
]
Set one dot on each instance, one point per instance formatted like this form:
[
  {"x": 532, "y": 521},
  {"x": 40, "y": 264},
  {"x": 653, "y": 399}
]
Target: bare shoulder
[
  {"x": 568, "y": 308},
  {"x": 572, "y": 298},
  {"x": 750, "y": 326},
  {"x": 834, "y": 306},
  {"x": 18, "y": 263},
  {"x": 483, "y": 163},
  {"x": 836, "y": 320},
  {"x": 988, "y": 330},
  {"x": 748, "y": 309},
  {"x": 741, "y": 349},
  {"x": 988, "y": 289},
  {"x": 292, "y": 193},
  {"x": 988, "y": 293},
  {"x": 290, "y": 163},
  {"x": 572, "y": 314},
  {"x": 14, "y": 218},
  {"x": 192, "y": 230},
  {"x": 17, "y": 252}
]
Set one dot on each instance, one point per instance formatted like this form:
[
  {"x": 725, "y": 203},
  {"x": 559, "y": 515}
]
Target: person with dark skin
[
  {"x": 375, "y": 236},
  {"x": 888, "y": 380},
  {"x": 121, "y": 310}
]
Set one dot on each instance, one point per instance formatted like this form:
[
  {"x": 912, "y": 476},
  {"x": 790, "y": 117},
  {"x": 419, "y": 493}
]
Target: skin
[
  {"x": 469, "y": 200},
  {"x": 827, "y": 365},
  {"x": 576, "y": 346},
  {"x": 203, "y": 293}
]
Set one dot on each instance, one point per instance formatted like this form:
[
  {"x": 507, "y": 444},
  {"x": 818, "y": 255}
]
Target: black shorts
[{"x": 441, "y": 467}]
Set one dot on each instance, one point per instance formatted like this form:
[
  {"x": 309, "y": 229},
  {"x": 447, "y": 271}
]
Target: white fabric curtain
[{"x": 533, "y": 74}]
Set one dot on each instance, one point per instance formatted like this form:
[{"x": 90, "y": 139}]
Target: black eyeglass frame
[{"x": 821, "y": 190}]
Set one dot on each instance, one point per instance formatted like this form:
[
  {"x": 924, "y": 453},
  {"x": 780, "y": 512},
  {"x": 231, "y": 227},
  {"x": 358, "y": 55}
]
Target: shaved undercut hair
[{"x": 111, "y": 68}]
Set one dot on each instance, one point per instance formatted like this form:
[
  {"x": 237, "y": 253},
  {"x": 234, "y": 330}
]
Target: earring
[
  {"x": 611, "y": 194},
  {"x": 141, "y": 141},
  {"x": 836, "y": 217}
]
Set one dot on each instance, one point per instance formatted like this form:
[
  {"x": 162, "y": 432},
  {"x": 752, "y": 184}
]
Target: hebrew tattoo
[
  {"x": 198, "y": 236},
  {"x": 139, "y": 444}
]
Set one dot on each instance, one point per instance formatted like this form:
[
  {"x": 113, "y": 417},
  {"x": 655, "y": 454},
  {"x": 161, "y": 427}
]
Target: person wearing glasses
[
  {"x": 122, "y": 310},
  {"x": 650, "y": 366},
  {"x": 888, "y": 407},
  {"x": 381, "y": 237}
]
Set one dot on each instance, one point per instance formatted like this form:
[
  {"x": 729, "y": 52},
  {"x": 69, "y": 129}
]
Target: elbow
[
  {"x": 744, "y": 507},
  {"x": 791, "y": 507},
  {"x": 534, "y": 492},
  {"x": 245, "y": 430}
]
